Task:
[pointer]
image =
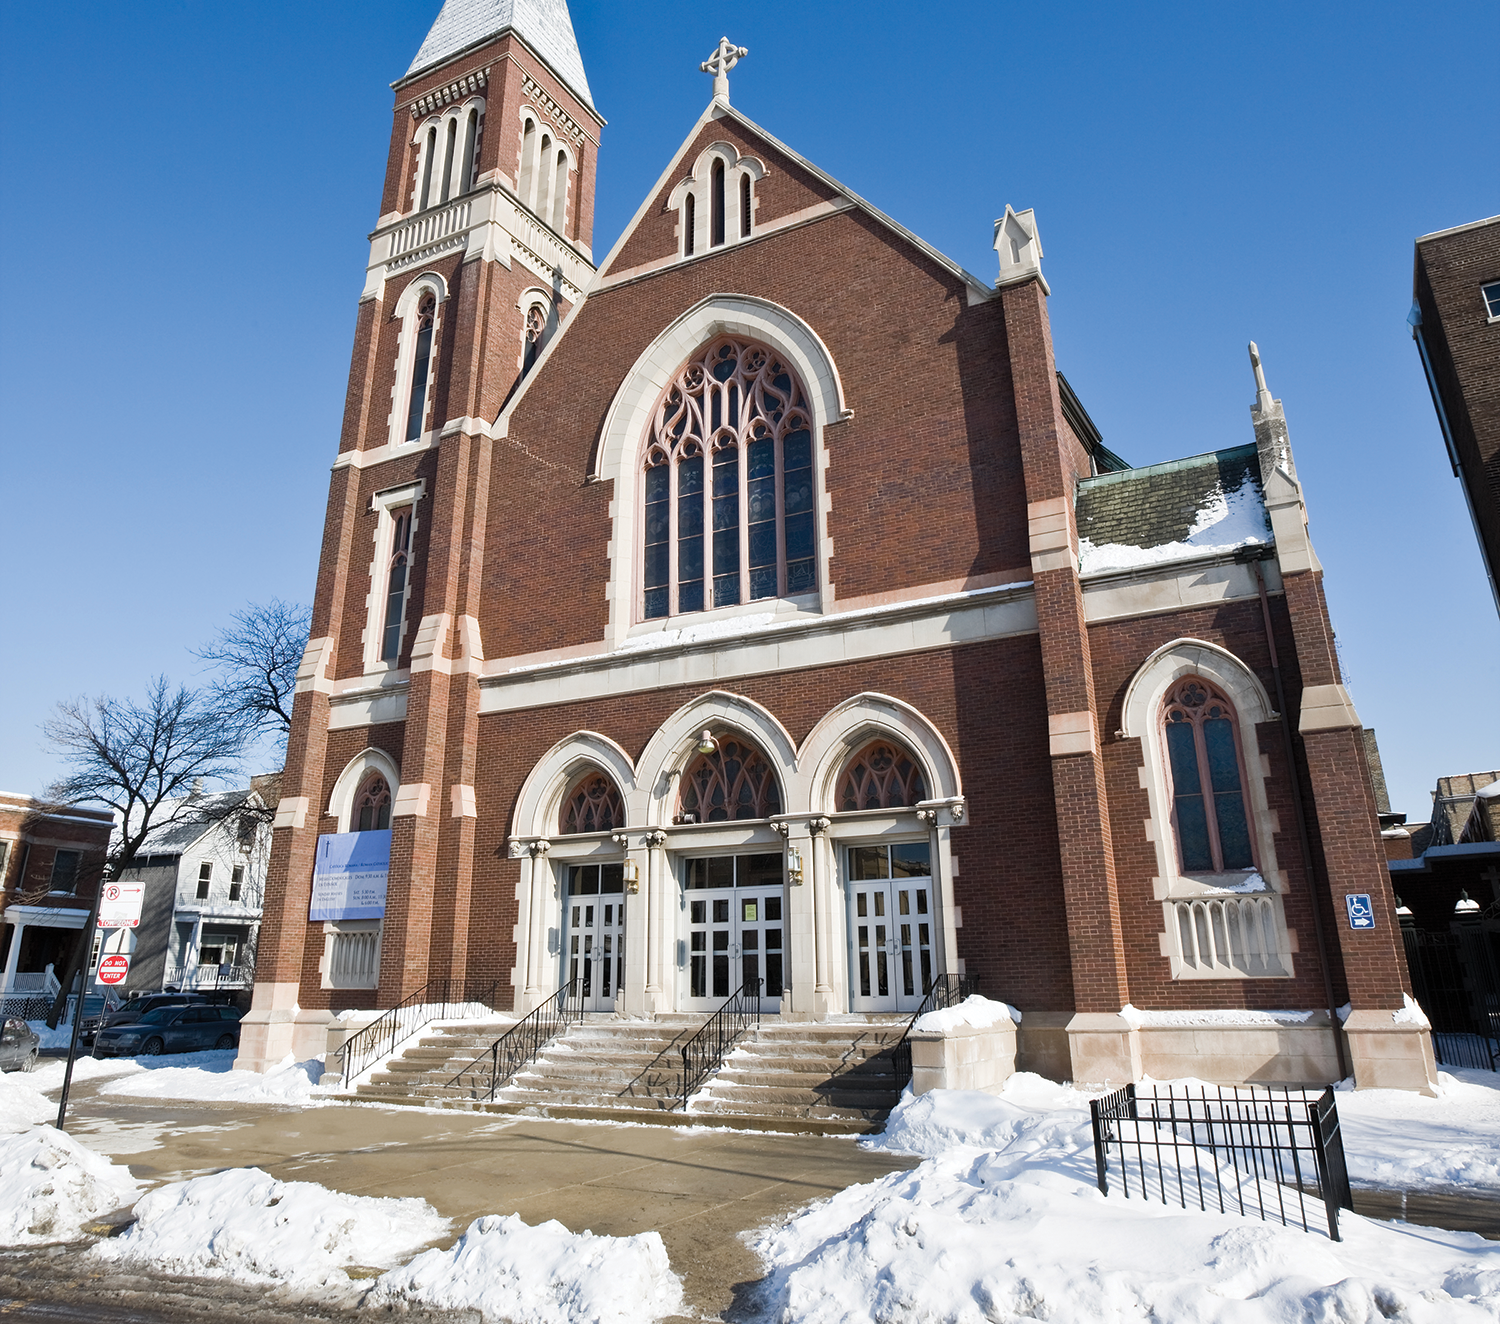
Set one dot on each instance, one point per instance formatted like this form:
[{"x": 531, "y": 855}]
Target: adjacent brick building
[
  {"x": 760, "y": 603},
  {"x": 1455, "y": 322}
]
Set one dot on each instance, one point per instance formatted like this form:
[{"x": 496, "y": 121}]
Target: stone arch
[
  {"x": 536, "y": 812},
  {"x": 368, "y": 760},
  {"x": 852, "y": 724},
  {"x": 674, "y": 745}
]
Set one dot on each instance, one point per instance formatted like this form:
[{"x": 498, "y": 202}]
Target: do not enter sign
[{"x": 113, "y": 969}]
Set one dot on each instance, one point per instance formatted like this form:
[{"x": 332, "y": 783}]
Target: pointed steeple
[{"x": 544, "y": 25}]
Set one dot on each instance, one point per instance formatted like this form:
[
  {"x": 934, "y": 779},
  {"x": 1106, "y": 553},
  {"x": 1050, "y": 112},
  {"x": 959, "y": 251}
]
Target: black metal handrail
[
  {"x": 436, "y": 1000},
  {"x": 519, "y": 1045},
  {"x": 1251, "y": 1149},
  {"x": 946, "y": 991},
  {"x": 704, "y": 1053}
]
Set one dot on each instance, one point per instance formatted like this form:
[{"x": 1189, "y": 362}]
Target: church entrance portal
[
  {"x": 735, "y": 928},
  {"x": 890, "y": 927},
  {"x": 595, "y": 912}
]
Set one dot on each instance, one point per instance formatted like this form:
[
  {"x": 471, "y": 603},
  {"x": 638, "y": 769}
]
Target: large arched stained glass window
[
  {"x": 593, "y": 805},
  {"x": 1208, "y": 783},
  {"x": 734, "y": 781},
  {"x": 728, "y": 484},
  {"x": 881, "y": 776}
]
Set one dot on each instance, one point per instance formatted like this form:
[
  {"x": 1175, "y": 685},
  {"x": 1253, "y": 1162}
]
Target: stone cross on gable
[{"x": 724, "y": 58}]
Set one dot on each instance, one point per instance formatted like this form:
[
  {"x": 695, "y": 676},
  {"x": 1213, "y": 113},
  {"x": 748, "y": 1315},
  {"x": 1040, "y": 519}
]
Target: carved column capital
[
  {"x": 656, "y": 839},
  {"x": 539, "y": 848},
  {"x": 817, "y": 825}
]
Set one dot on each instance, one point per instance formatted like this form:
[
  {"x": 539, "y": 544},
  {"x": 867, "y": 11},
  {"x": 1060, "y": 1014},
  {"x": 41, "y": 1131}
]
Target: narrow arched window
[
  {"x": 689, "y": 223},
  {"x": 471, "y": 151},
  {"x": 424, "y": 194},
  {"x": 544, "y": 177},
  {"x": 560, "y": 194},
  {"x": 716, "y": 205},
  {"x": 745, "y": 208},
  {"x": 881, "y": 776},
  {"x": 536, "y": 325},
  {"x": 372, "y": 805},
  {"x": 421, "y": 367},
  {"x": 1201, "y": 736},
  {"x": 398, "y": 580},
  {"x": 450, "y": 147},
  {"x": 593, "y": 805},
  {"x": 728, "y": 490},
  {"x": 528, "y": 160},
  {"x": 734, "y": 781}
]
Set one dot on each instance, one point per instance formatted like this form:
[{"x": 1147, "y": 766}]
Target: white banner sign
[
  {"x": 120, "y": 906},
  {"x": 349, "y": 876}
]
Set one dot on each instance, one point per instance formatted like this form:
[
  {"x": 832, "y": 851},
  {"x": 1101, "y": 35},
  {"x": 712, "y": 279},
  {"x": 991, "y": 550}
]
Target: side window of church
[
  {"x": 421, "y": 368},
  {"x": 728, "y": 484},
  {"x": 398, "y": 580},
  {"x": 372, "y": 807},
  {"x": 1208, "y": 784}
]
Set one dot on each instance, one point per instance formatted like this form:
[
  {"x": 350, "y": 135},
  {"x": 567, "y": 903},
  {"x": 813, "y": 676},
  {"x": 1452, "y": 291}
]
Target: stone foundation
[
  {"x": 275, "y": 1026},
  {"x": 964, "y": 1058}
]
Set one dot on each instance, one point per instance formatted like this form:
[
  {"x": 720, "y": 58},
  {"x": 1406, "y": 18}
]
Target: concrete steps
[{"x": 832, "y": 1078}]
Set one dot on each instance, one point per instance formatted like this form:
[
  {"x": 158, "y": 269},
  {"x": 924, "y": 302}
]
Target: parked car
[
  {"x": 19, "y": 1046},
  {"x": 172, "y": 1029},
  {"x": 132, "y": 1010}
]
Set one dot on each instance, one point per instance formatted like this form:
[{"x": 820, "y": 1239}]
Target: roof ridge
[{"x": 1171, "y": 466}]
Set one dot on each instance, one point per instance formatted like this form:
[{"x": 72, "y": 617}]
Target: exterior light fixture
[
  {"x": 794, "y": 866},
  {"x": 632, "y": 877},
  {"x": 706, "y": 742}
]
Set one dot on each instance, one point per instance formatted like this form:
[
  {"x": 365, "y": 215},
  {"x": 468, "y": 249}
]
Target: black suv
[{"x": 135, "y": 1008}]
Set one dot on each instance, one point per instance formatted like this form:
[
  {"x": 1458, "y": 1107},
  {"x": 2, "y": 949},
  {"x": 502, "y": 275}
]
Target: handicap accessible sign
[
  {"x": 349, "y": 876},
  {"x": 1361, "y": 912}
]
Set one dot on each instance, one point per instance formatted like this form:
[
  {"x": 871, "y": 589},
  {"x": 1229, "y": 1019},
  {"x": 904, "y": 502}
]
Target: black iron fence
[
  {"x": 519, "y": 1045},
  {"x": 436, "y": 1000},
  {"x": 1456, "y": 979},
  {"x": 946, "y": 991},
  {"x": 704, "y": 1053},
  {"x": 1252, "y": 1150}
]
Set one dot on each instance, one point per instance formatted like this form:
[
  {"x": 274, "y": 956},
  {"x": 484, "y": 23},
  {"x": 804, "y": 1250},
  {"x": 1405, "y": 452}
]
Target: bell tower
[{"x": 483, "y": 243}]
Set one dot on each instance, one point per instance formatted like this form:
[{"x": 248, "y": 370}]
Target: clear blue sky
[{"x": 188, "y": 186}]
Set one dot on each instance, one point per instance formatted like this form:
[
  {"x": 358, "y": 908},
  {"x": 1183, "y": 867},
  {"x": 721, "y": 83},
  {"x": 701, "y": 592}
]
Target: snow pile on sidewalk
[
  {"x": 245, "y": 1224},
  {"x": 975, "y": 1011},
  {"x": 211, "y": 1078},
  {"x": 1006, "y": 1221},
  {"x": 50, "y": 1186},
  {"x": 22, "y": 1101},
  {"x": 1405, "y": 1141},
  {"x": 540, "y": 1275}
]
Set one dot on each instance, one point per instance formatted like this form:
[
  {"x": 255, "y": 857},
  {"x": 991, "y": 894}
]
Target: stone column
[
  {"x": 639, "y": 929},
  {"x": 521, "y": 980},
  {"x": 537, "y": 991},
  {"x": 825, "y": 998},
  {"x": 13, "y": 958},
  {"x": 659, "y": 940},
  {"x": 799, "y": 917}
]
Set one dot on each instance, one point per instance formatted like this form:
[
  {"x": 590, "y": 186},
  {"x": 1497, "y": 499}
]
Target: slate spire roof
[{"x": 544, "y": 25}]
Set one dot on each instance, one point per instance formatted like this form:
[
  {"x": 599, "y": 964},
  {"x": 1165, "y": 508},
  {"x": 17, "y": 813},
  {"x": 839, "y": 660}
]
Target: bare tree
[
  {"x": 257, "y": 659},
  {"x": 143, "y": 759}
]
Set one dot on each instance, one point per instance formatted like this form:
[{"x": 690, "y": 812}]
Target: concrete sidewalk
[{"x": 699, "y": 1188}]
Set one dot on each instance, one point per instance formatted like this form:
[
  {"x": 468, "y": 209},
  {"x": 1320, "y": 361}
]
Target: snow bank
[
  {"x": 245, "y": 1224},
  {"x": 22, "y": 1101},
  {"x": 1407, "y": 1141},
  {"x": 58, "y": 1038},
  {"x": 974, "y": 1011},
  {"x": 1146, "y": 1019},
  {"x": 540, "y": 1275},
  {"x": 212, "y": 1078},
  {"x": 1018, "y": 1228},
  {"x": 1225, "y": 522},
  {"x": 50, "y": 1186}
]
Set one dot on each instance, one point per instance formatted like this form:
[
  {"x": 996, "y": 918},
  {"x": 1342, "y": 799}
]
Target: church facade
[{"x": 758, "y": 602}]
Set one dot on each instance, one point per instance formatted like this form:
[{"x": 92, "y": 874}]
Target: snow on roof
[
  {"x": 1202, "y": 506},
  {"x": 544, "y": 25},
  {"x": 187, "y": 820}
]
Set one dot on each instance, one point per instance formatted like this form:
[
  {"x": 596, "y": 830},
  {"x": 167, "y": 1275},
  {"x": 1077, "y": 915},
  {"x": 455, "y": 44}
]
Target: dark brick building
[
  {"x": 760, "y": 603},
  {"x": 1455, "y": 321}
]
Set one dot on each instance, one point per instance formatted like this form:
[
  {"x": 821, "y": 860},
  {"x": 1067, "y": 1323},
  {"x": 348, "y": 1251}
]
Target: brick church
[{"x": 756, "y": 600}]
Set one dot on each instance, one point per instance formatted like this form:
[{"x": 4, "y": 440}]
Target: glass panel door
[
  {"x": 735, "y": 928},
  {"x": 891, "y": 961},
  {"x": 595, "y": 912}
]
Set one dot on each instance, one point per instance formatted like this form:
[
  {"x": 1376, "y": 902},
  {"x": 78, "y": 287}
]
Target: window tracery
[
  {"x": 372, "y": 805},
  {"x": 881, "y": 776},
  {"x": 593, "y": 805},
  {"x": 536, "y": 326},
  {"x": 1206, "y": 777},
  {"x": 729, "y": 484},
  {"x": 398, "y": 580},
  {"x": 734, "y": 781}
]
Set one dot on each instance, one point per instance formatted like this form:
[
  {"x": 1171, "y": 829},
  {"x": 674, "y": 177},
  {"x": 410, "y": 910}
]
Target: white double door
[
  {"x": 736, "y": 933},
  {"x": 891, "y": 927},
  {"x": 594, "y": 955}
]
